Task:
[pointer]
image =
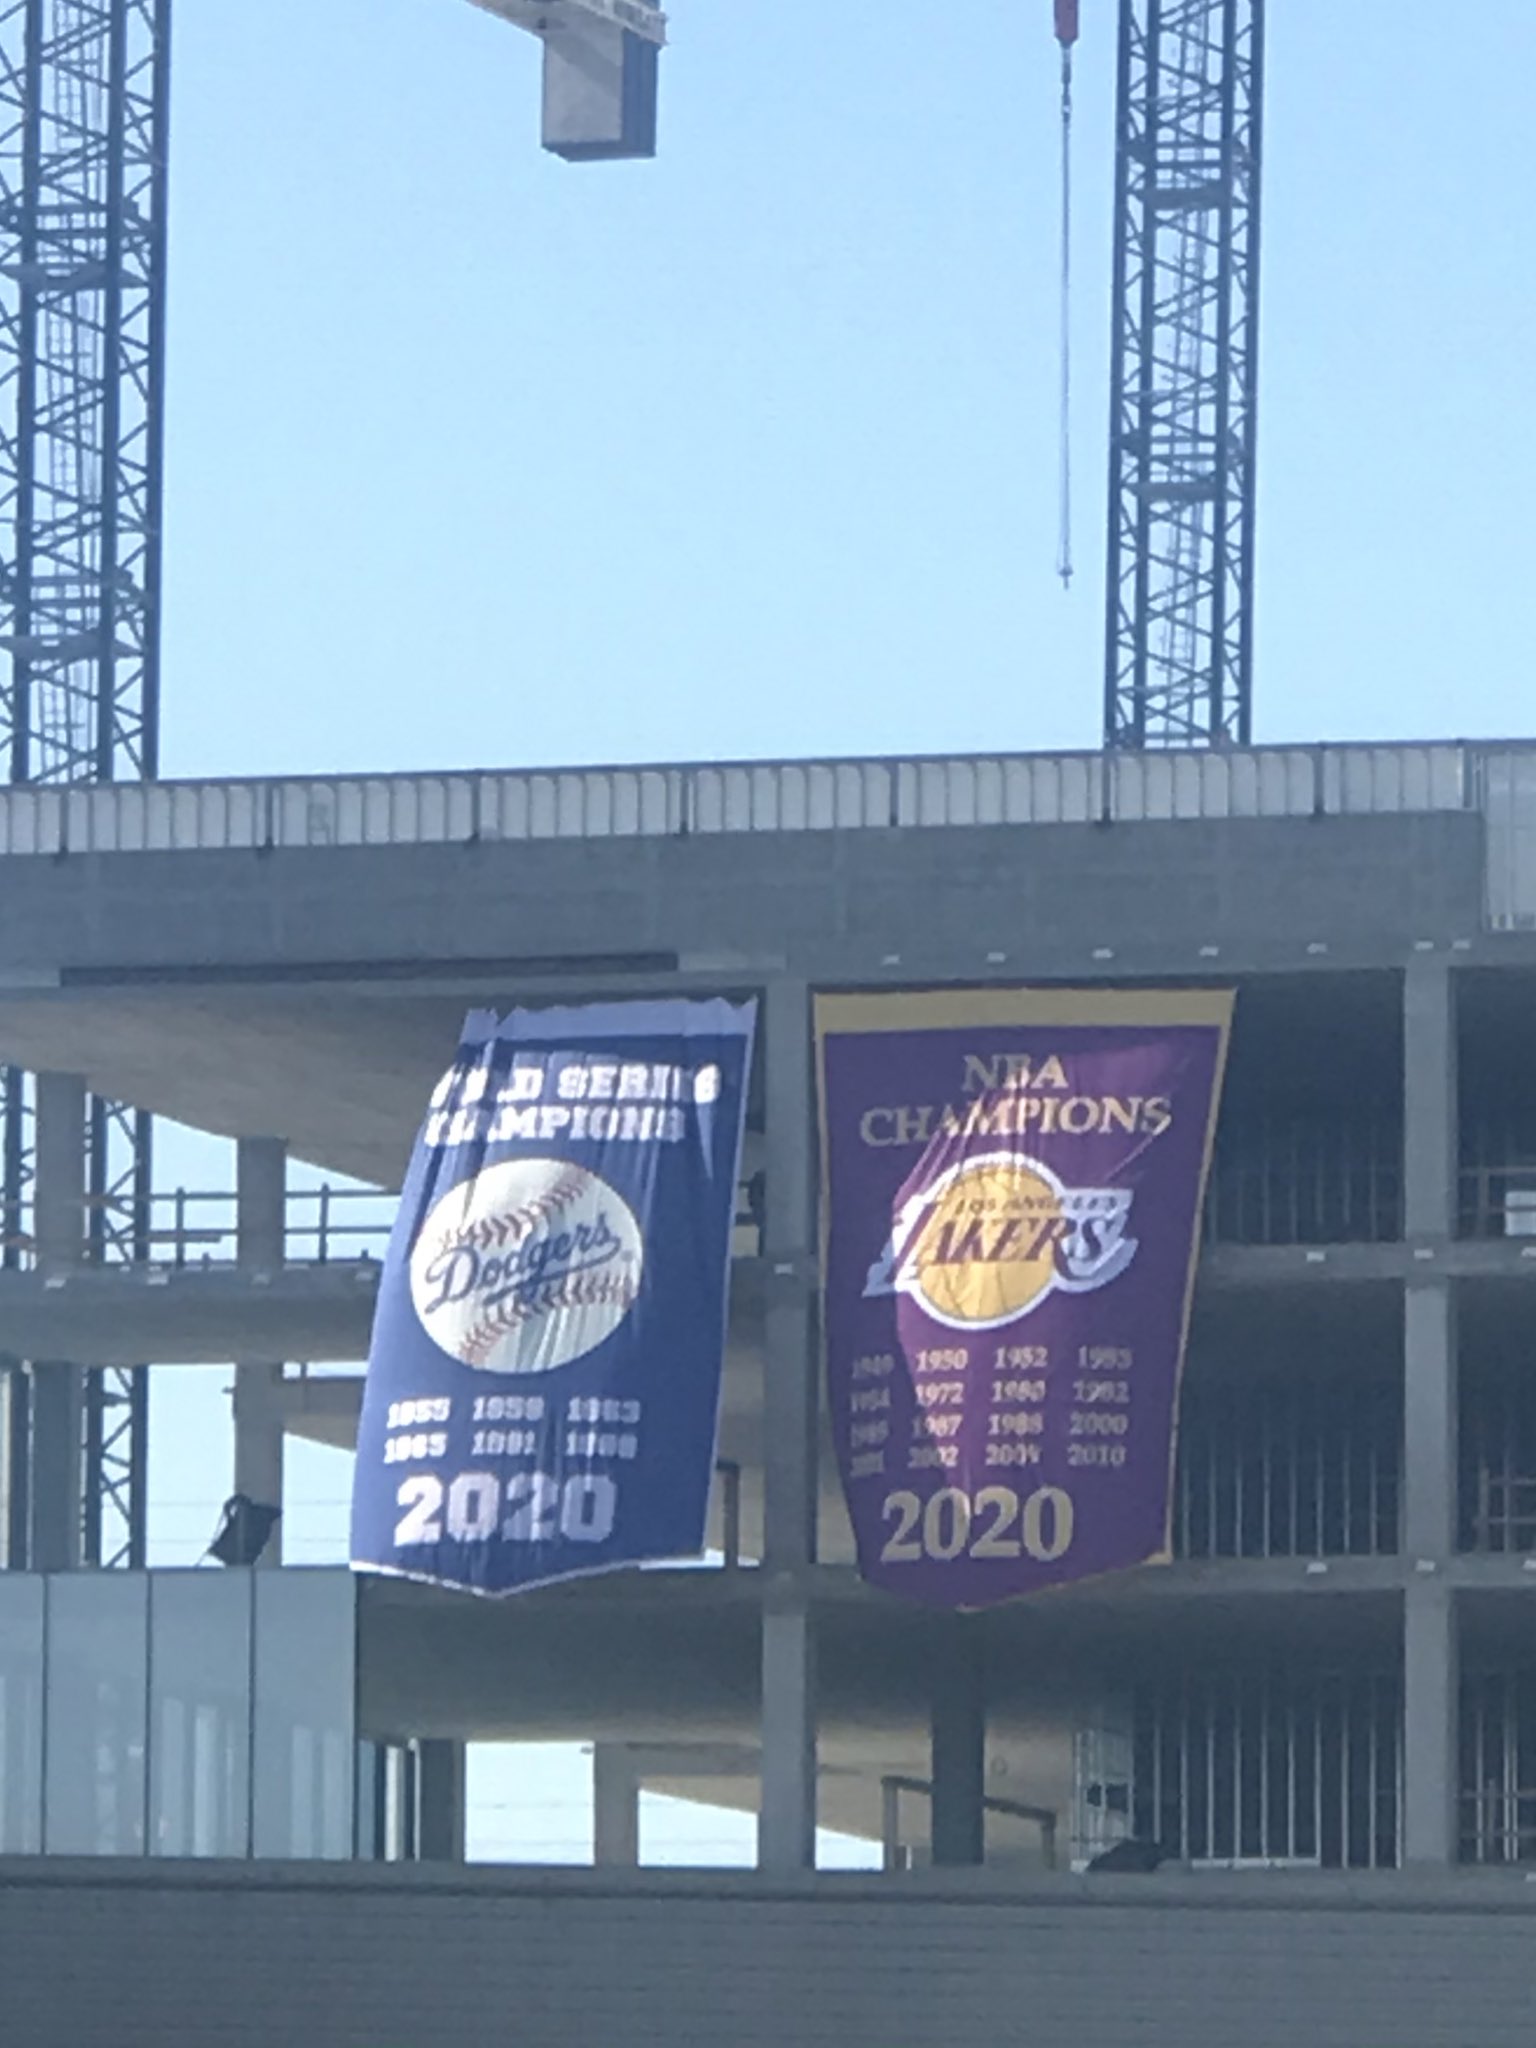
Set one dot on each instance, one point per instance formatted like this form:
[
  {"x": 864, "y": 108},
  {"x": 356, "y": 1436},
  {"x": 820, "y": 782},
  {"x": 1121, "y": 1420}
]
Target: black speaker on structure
[{"x": 245, "y": 1527}]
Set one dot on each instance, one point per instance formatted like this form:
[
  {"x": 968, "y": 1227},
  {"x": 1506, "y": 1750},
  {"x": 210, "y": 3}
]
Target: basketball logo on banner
[{"x": 982, "y": 1244}]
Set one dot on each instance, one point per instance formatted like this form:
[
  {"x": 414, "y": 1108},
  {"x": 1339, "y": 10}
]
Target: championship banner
[
  {"x": 544, "y": 1377},
  {"x": 1012, "y": 1184}
]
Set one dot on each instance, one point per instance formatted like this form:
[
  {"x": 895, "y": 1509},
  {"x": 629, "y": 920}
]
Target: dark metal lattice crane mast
[
  {"x": 84, "y": 112},
  {"x": 83, "y": 108},
  {"x": 1178, "y": 668}
]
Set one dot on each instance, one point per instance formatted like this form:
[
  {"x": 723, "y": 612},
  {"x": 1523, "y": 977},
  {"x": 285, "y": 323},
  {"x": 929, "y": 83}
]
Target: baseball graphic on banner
[{"x": 526, "y": 1265}]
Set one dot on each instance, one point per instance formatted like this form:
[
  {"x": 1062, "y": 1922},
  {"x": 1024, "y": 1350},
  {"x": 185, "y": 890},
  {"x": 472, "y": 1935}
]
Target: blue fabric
[{"x": 544, "y": 1378}]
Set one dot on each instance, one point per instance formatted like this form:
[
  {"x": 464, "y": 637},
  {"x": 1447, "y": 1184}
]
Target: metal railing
[
  {"x": 1274, "y": 1765},
  {"x": 809, "y": 795},
  {"x": 897, "y": 1856},
  {"x": 1497, "y": 1456},
  {"x": 1498, "y": 1766},
  {"x": 199, "y": 1227},
  {"x": 322, "y": 1226},
  {"x": 1497, "y": 780},
  {"x": 1498, "y": 1200},
  {"x": 1503, "y": 1508},
  {"x": 1305, "y": 1464},
  {"x": 1297, "y": 1180},
  {"x": 750, "y": 796}
]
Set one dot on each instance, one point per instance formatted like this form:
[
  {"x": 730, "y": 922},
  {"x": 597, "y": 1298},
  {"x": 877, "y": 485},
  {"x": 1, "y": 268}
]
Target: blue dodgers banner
[{"x": 544, "y": 1377}]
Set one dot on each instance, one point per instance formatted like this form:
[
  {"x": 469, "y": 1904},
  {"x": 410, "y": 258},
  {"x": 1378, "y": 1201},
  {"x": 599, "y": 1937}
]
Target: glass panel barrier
[
  {"x": 94, "y": 1777},
  {"x": 303, "y": 1753},
  {"x": 21, "y": 1714},
  {"x": 200, "y": 1714}
]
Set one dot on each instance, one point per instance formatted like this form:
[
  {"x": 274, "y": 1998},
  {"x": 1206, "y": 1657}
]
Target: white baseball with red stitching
[{"x": 526, "y": 1266}]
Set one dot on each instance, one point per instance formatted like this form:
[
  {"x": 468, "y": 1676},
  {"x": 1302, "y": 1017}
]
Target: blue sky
[{"x": 476, "y": 458}]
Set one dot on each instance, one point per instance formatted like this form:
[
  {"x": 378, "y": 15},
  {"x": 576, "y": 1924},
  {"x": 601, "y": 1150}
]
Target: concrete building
[{"x": 1336, "y": 1674}]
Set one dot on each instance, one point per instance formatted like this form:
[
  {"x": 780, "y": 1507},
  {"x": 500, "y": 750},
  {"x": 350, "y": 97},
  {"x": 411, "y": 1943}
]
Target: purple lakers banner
[
  {"x": 1012, "y": 1187},
  {"x": 544, "y": 1378}
]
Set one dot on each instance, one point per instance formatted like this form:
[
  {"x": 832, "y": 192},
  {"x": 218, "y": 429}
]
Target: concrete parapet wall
[{"x": 125, "y": 1956}]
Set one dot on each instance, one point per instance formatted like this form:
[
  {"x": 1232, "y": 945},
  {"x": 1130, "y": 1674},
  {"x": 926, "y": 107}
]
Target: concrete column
[
  {"x": 57, "y": 1404},
  {"x": 258, "y": 1418},
  {"x": 58, "y": 1467},
  {"x": 1430, "y": 1149},
  {"x": 58, "y": 1193},
  {"x": 958, "y": 1738},
  {"x": 1430, "y": 1413},
  {"x": 15, "y": 1452},
  {"x": 787, "y": 1820},
  {"x": 1429, "y": 1422},
  {"x": 1430, "y": 1683},
  {"x": 261, "y": 1179},
  {"x": 440, "y": 1802},
  {"x": 261, "y": 1191},
  {"x": 615, "y": 1808}
]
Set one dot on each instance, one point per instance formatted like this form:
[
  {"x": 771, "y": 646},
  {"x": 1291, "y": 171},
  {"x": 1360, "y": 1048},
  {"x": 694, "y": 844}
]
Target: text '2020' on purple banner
[
  {"x": 1012, "y": 1186},
  {"x": 544, "y": 1379}
]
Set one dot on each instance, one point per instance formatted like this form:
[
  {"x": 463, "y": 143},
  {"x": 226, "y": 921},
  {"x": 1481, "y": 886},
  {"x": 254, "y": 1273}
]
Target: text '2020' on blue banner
[{"x": 544, "y": 1378}]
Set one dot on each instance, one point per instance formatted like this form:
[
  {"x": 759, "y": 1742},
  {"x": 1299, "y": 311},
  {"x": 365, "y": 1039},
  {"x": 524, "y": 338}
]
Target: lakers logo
[{"x": 987, "y": 1241}]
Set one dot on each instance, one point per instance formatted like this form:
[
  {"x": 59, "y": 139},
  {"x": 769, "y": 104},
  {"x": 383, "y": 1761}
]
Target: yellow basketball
[{"x": 987, "y": 1250}]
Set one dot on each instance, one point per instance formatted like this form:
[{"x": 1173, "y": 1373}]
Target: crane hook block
[{"x": 1066, "y": 22}]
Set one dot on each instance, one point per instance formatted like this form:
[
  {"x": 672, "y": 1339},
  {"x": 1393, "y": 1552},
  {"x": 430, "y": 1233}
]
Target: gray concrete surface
[
  {"x": 315, "y": 995},
  {"x": 149, "y": 1957}
]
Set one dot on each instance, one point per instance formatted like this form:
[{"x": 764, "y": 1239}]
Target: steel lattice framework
[
  {"x": 1179, "y": 589},
  {"x": 84, "y": 104}
]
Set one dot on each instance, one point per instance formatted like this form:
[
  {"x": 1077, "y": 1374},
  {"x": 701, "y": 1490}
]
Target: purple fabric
[{"x": 1011, "y": 1215}]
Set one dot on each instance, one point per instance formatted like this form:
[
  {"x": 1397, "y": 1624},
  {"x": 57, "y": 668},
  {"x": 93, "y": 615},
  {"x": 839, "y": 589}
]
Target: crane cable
[{"x": 1066, "y": 36}]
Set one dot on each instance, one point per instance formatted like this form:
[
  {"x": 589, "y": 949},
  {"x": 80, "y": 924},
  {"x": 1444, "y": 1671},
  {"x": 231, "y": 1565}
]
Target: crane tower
[
  {"x": 83, "y": 105},
  {"x": 1179, "y": 580}
]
